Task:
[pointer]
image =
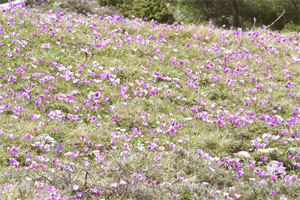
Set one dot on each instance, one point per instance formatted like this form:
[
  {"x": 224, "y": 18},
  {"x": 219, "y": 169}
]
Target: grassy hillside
[{"x": 140, "y": 110}]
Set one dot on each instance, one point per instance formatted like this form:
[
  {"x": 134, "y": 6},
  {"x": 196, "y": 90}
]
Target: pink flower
[
  {"x": 288, "y": 156},
  {"x": 175, "y": 195},
  {"x": 114, "y": 185},
  {"x": 179, "y": 177},
  {"x": 158, "y": 164},
  {"x": 39, "y": 184},
  {"x": 161, "y": 148},
  {"x": 85, "y": 149},
  {"x": 15, "y": 154},
  {"x": 264, "y": 158},
  {"x": 46, "y": 46},
  {"x": 9, "y": 54},
  {"x": 122, "y": 182}
]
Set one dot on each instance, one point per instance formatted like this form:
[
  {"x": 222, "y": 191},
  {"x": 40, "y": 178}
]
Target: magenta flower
[
  {"x": 158, "y": 164},
  {"x": 263, "y": 158},
  {"x": 15, "y": 154},
  {"x": 31, "y": 116},
  {"x": 85, "y": 149},
  {"x": 179, "y": 177},
  {"x": 289, "y": 156},
  {"x": 43, "y": 166},
  {"x": 46, "y": 46},
  {"x": 39, "y": 196},
  {"x": 97, "y": 94},
  {"x": 9, "y": 54},
  {"x": 58, "y": 150}
]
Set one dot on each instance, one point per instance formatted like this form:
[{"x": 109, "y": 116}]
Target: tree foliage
[{"x": 240, "y": 13}]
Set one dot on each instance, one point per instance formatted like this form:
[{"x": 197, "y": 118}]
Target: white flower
[{"x": 75, "y": 187}]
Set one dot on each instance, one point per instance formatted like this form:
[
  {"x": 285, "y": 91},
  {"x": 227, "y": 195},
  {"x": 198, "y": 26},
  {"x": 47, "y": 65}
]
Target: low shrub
[
  {"x": 153, "y": 9},
  {"x": 291, "y": 27}
]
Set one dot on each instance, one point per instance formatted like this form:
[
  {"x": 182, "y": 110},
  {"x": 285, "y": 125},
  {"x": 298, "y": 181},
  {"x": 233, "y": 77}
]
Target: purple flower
[
  {"x": 31, "y": 116},
  {"x": 158, "y": 164},
  {"x": 58, "y": 150},
  {"x": 39, "y": 196},
  {"x": 9, "y": 54},
  {"x": 263, "y": 158},
  {"x": 46, "y": 46},
  {"x": 97, "y": 95},
  {"x": 85, "y": 149},
  {"x": 15, "y": 154}
]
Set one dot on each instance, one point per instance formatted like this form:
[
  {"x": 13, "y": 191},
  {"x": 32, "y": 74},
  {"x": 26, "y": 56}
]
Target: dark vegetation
[
  {"x": 231, "y": 13},
  {"x": 240, "y": 13}
]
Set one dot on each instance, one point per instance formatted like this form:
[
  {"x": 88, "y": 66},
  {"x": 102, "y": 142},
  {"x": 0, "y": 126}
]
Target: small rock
[
  {"x": 47, "y": 139},
  {"x": 243, "y": 154},
  {"x": 275, "y": 167},
  {"x": 293, "y": 151},
  {"x": 270, "y": 150}
]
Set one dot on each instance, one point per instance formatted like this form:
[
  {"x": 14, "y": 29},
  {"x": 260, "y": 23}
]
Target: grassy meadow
[{"x": 133, "y": 109}]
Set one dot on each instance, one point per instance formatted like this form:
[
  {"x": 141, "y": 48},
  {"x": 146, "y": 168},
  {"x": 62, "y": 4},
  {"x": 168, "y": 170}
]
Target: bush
[
  {"x": 151, "y": 9},
  {"x": 109, "y": 2},
  {"x": 291, "y": 27}
]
